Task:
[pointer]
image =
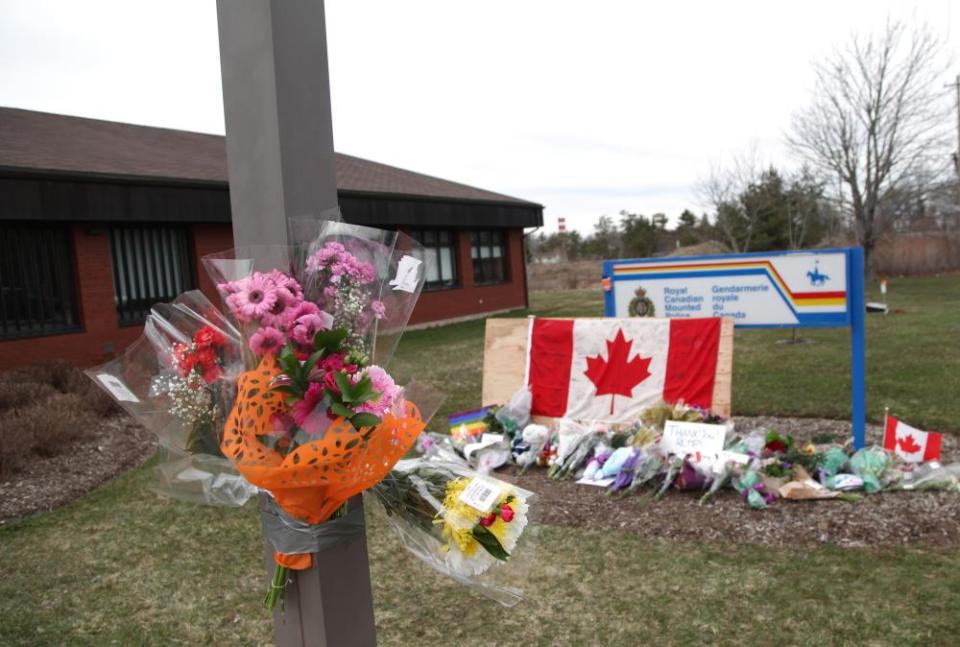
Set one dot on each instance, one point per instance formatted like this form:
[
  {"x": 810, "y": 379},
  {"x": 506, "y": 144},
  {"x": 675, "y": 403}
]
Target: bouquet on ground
[
  {"x": 317, "y": 419},
  {"x": 463, "y": 524}
]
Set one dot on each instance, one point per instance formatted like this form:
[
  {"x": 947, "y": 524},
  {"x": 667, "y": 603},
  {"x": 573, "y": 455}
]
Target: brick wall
[
  {"x": 469, "y": 299},
  {"x": 101, "y": 336}
]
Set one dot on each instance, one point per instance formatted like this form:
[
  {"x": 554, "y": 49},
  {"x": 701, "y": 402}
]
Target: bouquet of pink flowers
[{"x": 317, "y": 419}]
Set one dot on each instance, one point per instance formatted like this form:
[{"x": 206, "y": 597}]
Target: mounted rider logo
[{"x": 816, "y": 278}]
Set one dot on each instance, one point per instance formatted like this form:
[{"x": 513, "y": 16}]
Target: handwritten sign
[{"x": 683, "y": 438}]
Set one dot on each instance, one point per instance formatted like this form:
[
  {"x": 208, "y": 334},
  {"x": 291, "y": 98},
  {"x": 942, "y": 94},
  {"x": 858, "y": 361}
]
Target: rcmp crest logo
[{"x": 641, "y": 305}]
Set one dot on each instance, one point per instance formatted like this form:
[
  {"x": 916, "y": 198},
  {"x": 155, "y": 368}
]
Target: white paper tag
[
  {"x": 193, "y": 474},
  {"x": 480, "y": 493},
  {"x": 117, "y": 388},
  {"x": 408, "y": 272},
  {"x": 683, "y": 438},
  {"x": 491, "y": 438},
  {"x": 600, "y": 483}
]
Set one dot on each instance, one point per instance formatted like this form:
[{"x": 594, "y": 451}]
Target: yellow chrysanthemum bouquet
[{"x": 466, "y": 525}]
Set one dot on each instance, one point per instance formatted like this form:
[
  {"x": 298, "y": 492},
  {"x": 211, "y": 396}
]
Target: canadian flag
[
  {"x": 611, "y": 370},
  {"x": 913, "y": 445}
]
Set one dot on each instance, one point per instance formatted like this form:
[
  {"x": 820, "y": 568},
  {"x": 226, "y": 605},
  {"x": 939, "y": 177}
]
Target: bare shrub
[
  {"x": 44, "y": 409},
  {"x": 16, "y": 394}
]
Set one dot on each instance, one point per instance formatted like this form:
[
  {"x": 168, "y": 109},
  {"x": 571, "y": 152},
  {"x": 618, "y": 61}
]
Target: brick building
[{"x": 99, "y": 220}]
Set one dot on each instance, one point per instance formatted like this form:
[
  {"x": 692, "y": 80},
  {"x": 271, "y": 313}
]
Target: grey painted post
[{"x": 276, "y": 96}]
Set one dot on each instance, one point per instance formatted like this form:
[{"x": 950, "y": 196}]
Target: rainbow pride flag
[{"x": 468, "y": 423}]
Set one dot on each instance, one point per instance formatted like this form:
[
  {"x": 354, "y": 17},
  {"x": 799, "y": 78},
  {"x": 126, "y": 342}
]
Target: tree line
[{"x": 873, "y": 155}]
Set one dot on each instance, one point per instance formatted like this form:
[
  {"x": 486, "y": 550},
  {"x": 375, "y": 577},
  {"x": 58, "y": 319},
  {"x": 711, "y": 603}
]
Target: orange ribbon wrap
[{"x": 316, "y": 478}]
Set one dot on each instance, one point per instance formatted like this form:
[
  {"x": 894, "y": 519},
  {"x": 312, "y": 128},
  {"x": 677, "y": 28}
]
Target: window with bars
[
  {"x": 150, "y": 265},
  {"x": 38, "y": 292},
  {"x": 439, "y": 257},
  {"x": 489, "y": 254}
]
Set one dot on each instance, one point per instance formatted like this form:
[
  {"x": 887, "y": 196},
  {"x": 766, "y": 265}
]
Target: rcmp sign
[{"x": 769, "y": 290}]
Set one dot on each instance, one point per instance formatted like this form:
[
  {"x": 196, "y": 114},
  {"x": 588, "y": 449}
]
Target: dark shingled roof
[{"x": 40, "y": 141}]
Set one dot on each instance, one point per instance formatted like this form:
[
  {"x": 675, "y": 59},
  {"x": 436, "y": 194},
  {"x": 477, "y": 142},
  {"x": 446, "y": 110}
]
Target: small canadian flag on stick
[{"x": 913, "y": 445}]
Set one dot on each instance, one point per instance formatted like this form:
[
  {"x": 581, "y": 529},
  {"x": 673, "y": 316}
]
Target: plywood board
[
  {"x": 504, "y": 359},
  {"x": 505, "y": 362},
  {"x": 723, "y": 379}
]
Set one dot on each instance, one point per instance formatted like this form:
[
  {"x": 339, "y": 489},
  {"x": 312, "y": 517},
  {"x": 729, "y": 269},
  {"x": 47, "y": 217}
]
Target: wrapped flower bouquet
[{"x": 465, "y": 525}]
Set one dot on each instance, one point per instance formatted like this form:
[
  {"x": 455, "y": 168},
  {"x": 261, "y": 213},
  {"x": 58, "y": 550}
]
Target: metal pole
[
  {"x": 858, "y": 343},
  {"x": 276, "y": 97}
]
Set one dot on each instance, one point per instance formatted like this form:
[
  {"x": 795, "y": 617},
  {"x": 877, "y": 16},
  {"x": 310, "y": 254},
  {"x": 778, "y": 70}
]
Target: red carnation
[
  {"x": 776, "y": 446},
  {"x": 184, "y": 359},
  {"x": 488, "y": 520},
  {"x": 506, "y": 512},
  {"x": 207, "y": 337},
  {"x": 206, "y": 357},
  {"x": 211, "y": 373}
]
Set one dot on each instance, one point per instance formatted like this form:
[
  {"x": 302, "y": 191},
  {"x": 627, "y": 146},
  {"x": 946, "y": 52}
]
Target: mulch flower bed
[
  {"x": 115, "y": 446},
  {"x": 885, "y": 519},
  {"x": 880, "y": 520}
]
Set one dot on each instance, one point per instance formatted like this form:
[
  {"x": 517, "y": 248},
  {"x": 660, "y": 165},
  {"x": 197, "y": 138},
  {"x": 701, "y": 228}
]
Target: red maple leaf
[
  {"x": 908, "y": 445},
  {"x": 618, "y": 374}
]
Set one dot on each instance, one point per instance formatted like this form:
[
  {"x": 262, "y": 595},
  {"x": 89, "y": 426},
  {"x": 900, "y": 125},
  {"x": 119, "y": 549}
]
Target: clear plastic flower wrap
[
  {"x": 471, "y": 527},
  {"x": 317, "y": 418},
  {"x": 177, "y": 380}
]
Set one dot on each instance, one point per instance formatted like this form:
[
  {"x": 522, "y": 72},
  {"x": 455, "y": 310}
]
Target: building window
[
  {"x": 37, "y": 283},
  {"x": 150, "y": 265},
  {"x": 439, "y": 256},
  {"x": 489, "y": 254}
]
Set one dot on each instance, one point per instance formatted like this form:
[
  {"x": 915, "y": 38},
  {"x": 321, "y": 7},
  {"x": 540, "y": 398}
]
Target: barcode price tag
[
  {"x": 480, "y": 493},
  {"x": 117, "y": 388}
]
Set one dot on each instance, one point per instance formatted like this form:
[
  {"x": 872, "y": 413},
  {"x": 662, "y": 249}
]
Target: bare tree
[
  {"x": 877, "y": 117},
  {"x": 721, "y": 191}
]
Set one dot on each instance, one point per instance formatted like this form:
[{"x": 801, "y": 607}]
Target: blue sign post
[{"x": 796, "y": 289}]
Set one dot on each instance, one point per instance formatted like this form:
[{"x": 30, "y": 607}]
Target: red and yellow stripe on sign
[{"x": 799, "y": 299}]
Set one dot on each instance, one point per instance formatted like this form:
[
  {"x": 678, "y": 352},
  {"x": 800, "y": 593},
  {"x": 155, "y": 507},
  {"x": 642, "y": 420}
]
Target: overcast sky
[{"x": 585, "y": 107}]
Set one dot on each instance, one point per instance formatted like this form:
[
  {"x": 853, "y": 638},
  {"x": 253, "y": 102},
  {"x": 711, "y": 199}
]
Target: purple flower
[
  {"x": 379, "y": 310},
  {"x": 625, "y": 476},
  {"x": 267, "y": 341}
]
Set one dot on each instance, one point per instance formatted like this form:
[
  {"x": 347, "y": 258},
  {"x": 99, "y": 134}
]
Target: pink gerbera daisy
[
  {"x": 255, "y": 296},
  {"x": 267, "y": 341}
]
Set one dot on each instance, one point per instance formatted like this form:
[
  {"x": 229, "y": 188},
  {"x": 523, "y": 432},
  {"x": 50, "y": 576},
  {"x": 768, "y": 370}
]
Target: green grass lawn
[{"x": 123, "y": 566}]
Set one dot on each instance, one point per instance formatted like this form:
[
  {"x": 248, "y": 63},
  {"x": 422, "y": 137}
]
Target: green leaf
[
  {"x": 341, "y": 410},
  {"x": 359, "y": 392},
  {"x": 329, "y": 340},
  {"x": 361, "y": 420},
  {"x": 312, "y": 361},
  {"x": 346, "y": 388},
  {"x": 490, "y": 543}
]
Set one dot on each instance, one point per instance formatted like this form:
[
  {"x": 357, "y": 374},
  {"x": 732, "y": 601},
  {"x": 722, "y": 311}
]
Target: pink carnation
[
  {"x": 267, "y": 341},
  {"x": 383, "y": 384},
  {"x": 379, "y": 310},
  {"x": 306, "y": 413},
  {"x": 307, "y": 326}
]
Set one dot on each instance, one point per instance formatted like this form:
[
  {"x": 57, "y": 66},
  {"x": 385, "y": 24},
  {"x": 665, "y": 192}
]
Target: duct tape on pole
[{"x": 276, "y": 97}]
